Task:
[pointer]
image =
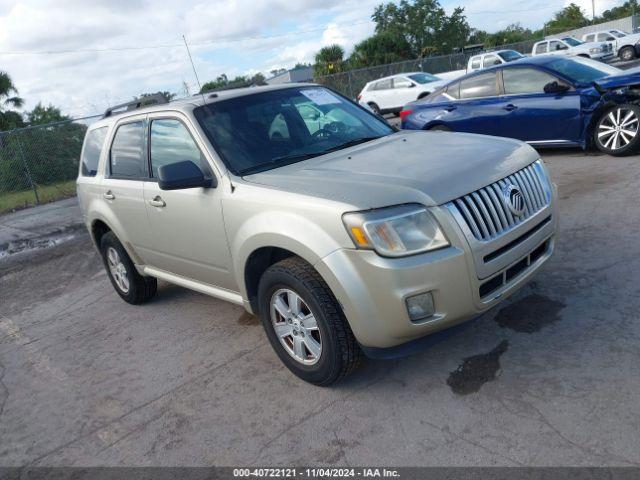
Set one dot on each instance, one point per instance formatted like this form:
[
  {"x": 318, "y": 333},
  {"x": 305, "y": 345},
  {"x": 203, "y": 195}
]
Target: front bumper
[
  {"x": 372, "y": 289},
  {"x": 603, "y": 57}
]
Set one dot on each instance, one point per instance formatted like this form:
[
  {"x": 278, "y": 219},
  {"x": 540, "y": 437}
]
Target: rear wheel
[
  {"x": 617, "y": 131},
  {"x": 627, "y": 53},
  {"x": 129, "y": 284},
  {"x": 305, "y": 324}
]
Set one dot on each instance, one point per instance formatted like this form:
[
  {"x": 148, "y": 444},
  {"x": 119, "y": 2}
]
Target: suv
[
  {"x": 490, "y": 59},
  {"x": 573, "y": 47},
  {"x": 625, "y": 45},
  {"x": 343, "y": 234}
]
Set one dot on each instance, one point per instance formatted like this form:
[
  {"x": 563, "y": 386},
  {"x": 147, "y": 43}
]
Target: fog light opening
[{"x": 420, "y": 306}]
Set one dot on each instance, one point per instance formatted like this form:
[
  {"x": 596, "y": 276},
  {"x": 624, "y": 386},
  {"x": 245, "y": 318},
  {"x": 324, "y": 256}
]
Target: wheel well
[
  {"x": 98, "y": 229},
  {"x": 583, "y": 55},
  {"x": 423, "y": 94},
  {"x": 256, "y": 265}
]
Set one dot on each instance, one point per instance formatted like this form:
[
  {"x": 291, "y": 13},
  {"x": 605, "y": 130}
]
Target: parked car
[
  {"x": 545, "y": 101},
  {"x": 572, "y": 47},
  {"x": 351, "y": 238},
  {"x": 490, "y": 59},
  {"x": 390, "y": 94},
  {"x": 625, "y": 45}
]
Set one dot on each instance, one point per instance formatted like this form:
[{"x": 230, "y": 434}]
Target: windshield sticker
[{"x": 320, "y": 96}]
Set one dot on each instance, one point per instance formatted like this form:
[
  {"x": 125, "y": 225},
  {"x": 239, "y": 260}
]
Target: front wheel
[
  {"x": 375, "y": 108},
  {"x": 617, "y": 131},
  {"x": 627, "y": 54},
  {"x": 305, "y": 324}
]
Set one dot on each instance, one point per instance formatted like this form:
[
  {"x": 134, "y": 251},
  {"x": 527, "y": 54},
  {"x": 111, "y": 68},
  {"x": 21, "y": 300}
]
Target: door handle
[
  {"x": 109, "y": 195},
  {"x": 510, "y": 107},
  {"x": 157, "y": 202},
  {"x": 450, "y": 108}
]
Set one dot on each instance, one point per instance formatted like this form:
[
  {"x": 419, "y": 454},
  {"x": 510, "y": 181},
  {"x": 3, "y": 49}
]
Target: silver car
[{"x": 343, "y": 234}]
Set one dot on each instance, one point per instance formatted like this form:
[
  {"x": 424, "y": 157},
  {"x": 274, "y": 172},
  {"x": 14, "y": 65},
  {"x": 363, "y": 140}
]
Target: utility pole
[{"x": 593, "y": 11}]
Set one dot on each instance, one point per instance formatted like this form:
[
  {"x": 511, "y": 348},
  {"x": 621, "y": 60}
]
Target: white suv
[
  {"x": 625, "y": 45},
  {"x": 390, "y": 94},
  {"x": 573, "y": 47}
]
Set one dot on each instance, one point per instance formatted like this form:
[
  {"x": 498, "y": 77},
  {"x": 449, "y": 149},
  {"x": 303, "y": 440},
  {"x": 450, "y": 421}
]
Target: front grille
[{"x": 485, "y": 211}]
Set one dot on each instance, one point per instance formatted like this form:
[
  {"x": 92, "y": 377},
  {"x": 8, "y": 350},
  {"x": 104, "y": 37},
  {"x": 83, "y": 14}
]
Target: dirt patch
[
  {"x": 476, "y": 371},
  {"x": 247, "y": 319},
  {"x": 49, "y": 240},
  {"x": 530, "y": 314}
]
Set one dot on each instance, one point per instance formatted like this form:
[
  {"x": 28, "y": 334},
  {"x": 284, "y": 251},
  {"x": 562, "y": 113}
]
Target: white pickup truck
[
  {"x": 573, "y": 47},
  {"x": 625, "y": 45},
  {"x": 489, "y": 59}
]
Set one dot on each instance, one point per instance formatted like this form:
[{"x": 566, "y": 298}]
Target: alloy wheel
[
  {"x": 295, "y": 326},
  {"x": 118, "y": 270},
  {"x": 618, "y": 128}
]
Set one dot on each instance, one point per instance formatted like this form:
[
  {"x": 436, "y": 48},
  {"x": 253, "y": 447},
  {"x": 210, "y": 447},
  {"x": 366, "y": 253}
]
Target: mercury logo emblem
[{"x": 514, "y": 200}]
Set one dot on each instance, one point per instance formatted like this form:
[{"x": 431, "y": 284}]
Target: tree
[
  {"x": 329, "y": 60},
  {"x": 41, "y": 115},
  {"x": 222, "y": 82},
  {"x": 8, "y": 98},
  {"x": 258, "y": 79},
  {"x": 380, "y": 48},
  {"x": 568, "y": 18},
  {"x": 628, "y": 8},
  {"x": 168, "y": 96},
  {"x": 424, "y": 25},
  {"x": 277, "y": 71}
]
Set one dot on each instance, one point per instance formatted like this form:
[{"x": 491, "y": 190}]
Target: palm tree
[
  {"x": 9, "y": 118},
  {"x": 329, "y": 60}
]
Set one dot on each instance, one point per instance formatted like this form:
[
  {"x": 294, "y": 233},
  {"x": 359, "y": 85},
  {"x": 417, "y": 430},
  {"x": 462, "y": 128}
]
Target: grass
[{"x": 11, "y": 201}]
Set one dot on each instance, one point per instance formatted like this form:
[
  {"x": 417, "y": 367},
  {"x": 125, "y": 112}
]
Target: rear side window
[
  {"x": 91, "y": 152},
  {"x": 541, "y": 48},
  {"x": 483, "y": 85},
  {"x": 127, "y": 151},
  {"x": 383, "y": 85},
  {"x": 171, "y": 142},
  {"x": 525, "y": 80}
]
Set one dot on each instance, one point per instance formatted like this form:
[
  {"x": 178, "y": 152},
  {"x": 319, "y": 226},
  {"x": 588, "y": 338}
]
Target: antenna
[{"x": 193, "y": 66}]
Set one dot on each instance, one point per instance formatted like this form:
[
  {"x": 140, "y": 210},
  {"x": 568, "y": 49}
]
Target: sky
[{"x": 85, "y": 55}]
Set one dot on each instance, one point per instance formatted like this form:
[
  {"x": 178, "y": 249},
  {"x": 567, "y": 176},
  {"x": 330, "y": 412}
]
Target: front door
[
  {"x": 535, "y": 115},
  {"x": 187, "y": 225}
]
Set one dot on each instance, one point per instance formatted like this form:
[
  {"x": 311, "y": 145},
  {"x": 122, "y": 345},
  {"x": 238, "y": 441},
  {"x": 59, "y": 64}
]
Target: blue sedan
[{"x": 545, "y": 101}]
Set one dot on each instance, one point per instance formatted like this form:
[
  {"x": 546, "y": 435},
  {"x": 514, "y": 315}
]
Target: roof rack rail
[{"x": 155, "y": 99}]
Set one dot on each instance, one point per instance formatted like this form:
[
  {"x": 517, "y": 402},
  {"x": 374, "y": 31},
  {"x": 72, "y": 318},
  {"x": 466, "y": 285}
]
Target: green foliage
[
  {"x": 168, "y": 96},
  {"x": 329, "y": 60},
  {"x": 381, "y": 48},
  {"x": 568, "y": 18},
  {"x": 41, "y": 115},
  {"x": 223, "y": 82},
  {"x": 424, "y": 25},
  {"x": 8, "y": 98},
  {"x": 628, "y": 8},
  {"x": 513, "y": 33}
]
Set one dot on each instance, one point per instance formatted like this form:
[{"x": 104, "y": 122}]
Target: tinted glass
[
  {"x": 423, "y": 78},
  {"x": 265, "y": 130},
  {"x": 171, "y": 142},
  {"x": 572, "y": 41},
  {"x": 454, "y": 90},
  {"x": 127, "y": 151},
  {"x": 525, "y": 80},
  {"x": 541, "y": 48},
  {"x": 401, "y": 83},
  {"x": 479, "y": 86},
  {"x": 475, "y": 63},
  {"x": 490, "y": 60},
  {"x": 510, "y": 55},
  {"x": 582, "y": 70},
  {"x": 383, "y": 85},
  {"x": 91, "y": 152},
  {"x": 556, "y": 45},
  {"x": 605, "y": 37}
]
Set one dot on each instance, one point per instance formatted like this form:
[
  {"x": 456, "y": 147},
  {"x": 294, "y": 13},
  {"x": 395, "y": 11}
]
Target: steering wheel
[{"x": 328, "y": 130}]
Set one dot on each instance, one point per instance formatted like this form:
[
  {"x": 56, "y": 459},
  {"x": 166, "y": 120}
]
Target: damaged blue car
[{"x": 549, "y": 101}]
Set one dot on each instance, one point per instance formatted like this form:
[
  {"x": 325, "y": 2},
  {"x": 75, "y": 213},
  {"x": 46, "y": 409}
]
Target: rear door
[
  {"x": 404, "y": 91},
  {"x": 535, "y": 115},
  {"x": 122, "y": 187}
]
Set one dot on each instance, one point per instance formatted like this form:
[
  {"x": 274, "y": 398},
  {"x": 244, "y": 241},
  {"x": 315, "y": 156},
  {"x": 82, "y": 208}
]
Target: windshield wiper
[
  {"x": 279, "y": 162},
  {"x": 351, "y": 143}
]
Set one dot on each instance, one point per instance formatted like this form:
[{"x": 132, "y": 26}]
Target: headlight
[
  {"x": 595, "y": 50},
  {"x": 395, "y": 231}
]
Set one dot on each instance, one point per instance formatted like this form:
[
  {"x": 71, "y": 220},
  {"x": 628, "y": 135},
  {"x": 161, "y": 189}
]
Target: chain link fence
[
  {"x": 39, "y": 164},
  {"x": 351, "y": 82}
]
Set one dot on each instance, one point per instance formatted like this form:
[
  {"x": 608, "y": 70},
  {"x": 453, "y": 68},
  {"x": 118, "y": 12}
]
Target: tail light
[
  {"x": 359, "y": 97},
  {"x": 405, "y": 113}
]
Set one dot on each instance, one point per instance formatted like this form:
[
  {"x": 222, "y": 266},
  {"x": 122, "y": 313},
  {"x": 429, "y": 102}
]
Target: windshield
[
  {"x": 261, "y": 131},
  {"x": 423, "y": 78},
  {"x": 617, "y": 33},
  {"x": 582, "y": 70},
  {"x": 572, "y": 41},
  {"x": 510, "y": 55}
]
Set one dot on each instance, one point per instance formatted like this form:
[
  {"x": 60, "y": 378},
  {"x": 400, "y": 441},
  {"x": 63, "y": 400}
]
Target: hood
[
  {"x": 622, "y": 79},
  {"x": 410, "y": 166}
]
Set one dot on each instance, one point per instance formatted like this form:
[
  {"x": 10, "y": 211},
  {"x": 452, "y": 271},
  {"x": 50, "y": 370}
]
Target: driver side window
[{"x": 525, "y": 80}]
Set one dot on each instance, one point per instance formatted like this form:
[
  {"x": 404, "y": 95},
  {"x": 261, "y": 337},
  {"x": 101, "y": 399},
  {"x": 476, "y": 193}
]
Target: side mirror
[
  {"x": 181, "y": 175},
  {"x": 555, "y": 87},
  {"x": 413, "y": 85},
  {"x": 497, "y": 61}
]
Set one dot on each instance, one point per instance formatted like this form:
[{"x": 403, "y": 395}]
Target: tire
[
  {"x": 617, "y": 131},
  {"x": 440, "y": 128},
  {"x": 338, "y": 354},
  {"x": 626, "y": 54},
  {"x": 132, "y": 287},
  {"x": 375, "y": 108}
]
